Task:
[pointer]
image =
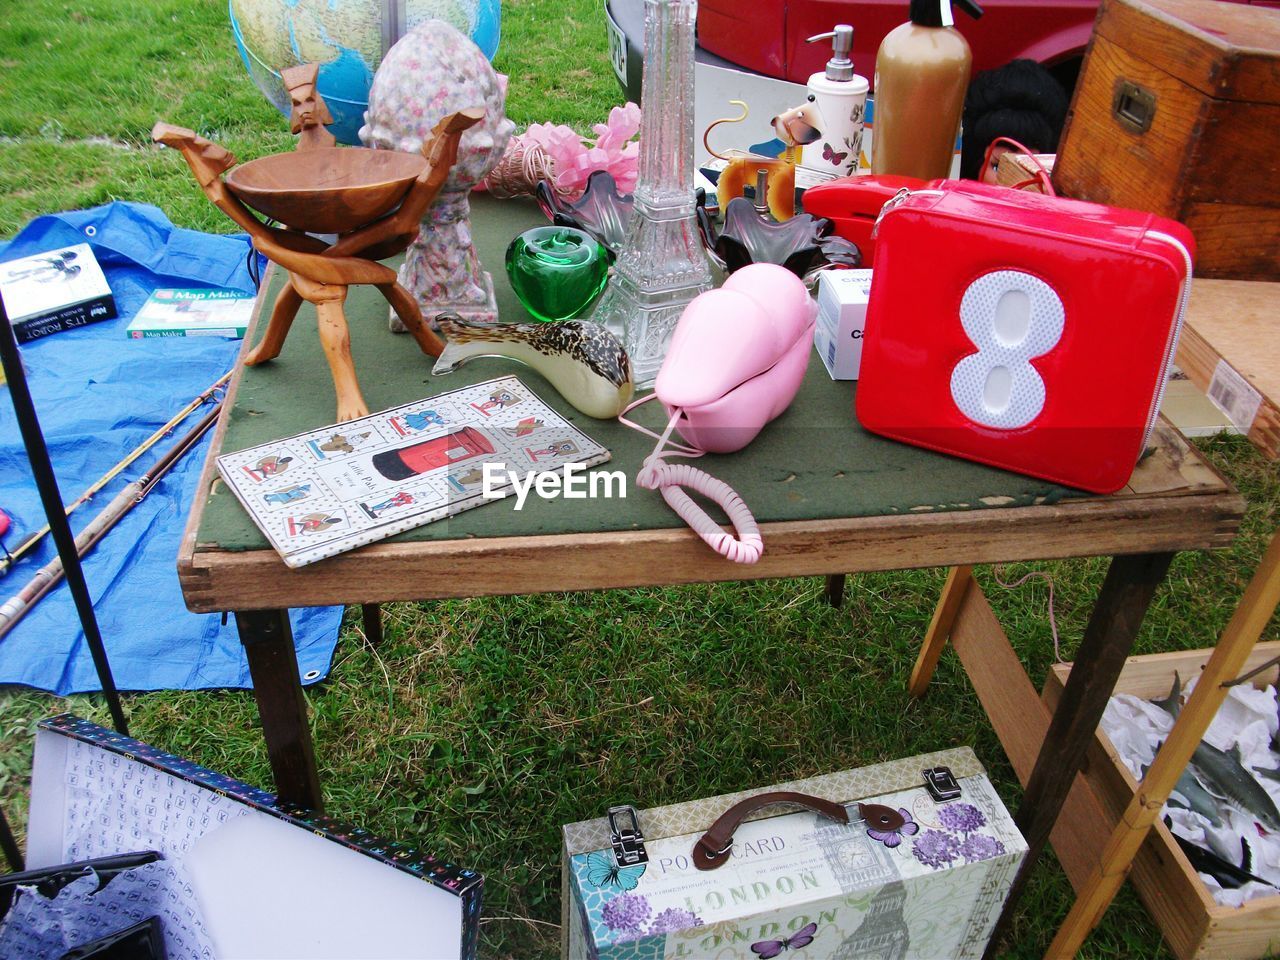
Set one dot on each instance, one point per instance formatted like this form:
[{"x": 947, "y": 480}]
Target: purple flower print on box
[
  {"x": 978, "y": 846},
  {"x": 626, "y": 914},
  {"x": 674, "y": 919},
  {"x": 935, "y": 848},
  {"x": 891, "y": 838},
  {"x": 961, "y": 817}
]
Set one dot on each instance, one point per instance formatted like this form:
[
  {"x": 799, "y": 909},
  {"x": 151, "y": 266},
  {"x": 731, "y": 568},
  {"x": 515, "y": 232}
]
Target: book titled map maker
[
  {"x": 192, "y": 313},
  {"x": 55, "y": 291}
]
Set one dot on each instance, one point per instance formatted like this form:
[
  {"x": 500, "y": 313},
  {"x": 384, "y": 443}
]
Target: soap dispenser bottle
[
  {"x": 922, "y": 72},
  {"x": 840, "y": 96}
]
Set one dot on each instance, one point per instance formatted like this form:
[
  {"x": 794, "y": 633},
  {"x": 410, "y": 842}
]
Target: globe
[{"x": 348, "y": 38}]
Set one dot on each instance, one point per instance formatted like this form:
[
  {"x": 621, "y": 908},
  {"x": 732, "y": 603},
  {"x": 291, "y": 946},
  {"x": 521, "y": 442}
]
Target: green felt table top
[{"x": 814, "y": 462}]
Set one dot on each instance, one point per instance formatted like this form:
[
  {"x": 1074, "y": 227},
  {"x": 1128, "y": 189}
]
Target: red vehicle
[{"x": 768, "y": 36}]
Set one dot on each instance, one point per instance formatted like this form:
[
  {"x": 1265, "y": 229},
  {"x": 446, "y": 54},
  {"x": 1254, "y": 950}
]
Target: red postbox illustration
[{"x": 406, "y": 462}]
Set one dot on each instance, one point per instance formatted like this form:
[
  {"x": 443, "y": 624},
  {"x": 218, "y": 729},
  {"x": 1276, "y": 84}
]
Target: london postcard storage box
[{"x": 797, "y": 880}]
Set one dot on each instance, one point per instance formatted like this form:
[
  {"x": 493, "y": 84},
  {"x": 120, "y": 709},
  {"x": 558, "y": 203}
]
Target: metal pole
[{"x": 47, "y": 484}]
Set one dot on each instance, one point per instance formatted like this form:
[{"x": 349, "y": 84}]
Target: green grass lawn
[{"x": 479, "y": 726}]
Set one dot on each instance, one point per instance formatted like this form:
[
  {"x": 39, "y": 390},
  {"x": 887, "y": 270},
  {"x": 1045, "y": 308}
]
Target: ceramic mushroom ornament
[{"x": 433, "y": 71}]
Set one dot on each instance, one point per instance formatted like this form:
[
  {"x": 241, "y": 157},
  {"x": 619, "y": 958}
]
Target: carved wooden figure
[
  {"x": 310, "y": 116},
  {"x": 373, "y": 200}
]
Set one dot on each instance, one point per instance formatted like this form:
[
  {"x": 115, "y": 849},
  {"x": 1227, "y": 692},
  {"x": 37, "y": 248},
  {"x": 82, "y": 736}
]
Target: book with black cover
[{"x": 55, "y": 291}]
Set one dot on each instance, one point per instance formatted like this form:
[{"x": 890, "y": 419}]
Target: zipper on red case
[
  {"x": 897, "y": 200},
  {"x": 1171, "y": 345}
]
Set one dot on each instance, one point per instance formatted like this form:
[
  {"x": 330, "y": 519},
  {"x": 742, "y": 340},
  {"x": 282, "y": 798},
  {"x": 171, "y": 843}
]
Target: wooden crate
[
  {"x": 1194, "y": 926},
  {"x": 1229, "y": 345},
  {"x": 1018, "y": 170}
]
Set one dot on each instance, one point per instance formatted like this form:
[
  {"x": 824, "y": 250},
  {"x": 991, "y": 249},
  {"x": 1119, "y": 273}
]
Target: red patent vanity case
[{"x": 1028, "y": 332}]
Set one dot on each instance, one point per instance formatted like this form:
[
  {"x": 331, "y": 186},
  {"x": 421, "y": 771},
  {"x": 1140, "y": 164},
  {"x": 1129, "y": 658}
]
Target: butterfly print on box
[
  {"x": 604, "y": 872},
  {"x": 768, "y": 949}
]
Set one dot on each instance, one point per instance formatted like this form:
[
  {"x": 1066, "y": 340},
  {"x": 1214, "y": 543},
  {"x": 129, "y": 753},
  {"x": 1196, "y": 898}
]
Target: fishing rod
[
  {"x": 50, "y": 575},
  {"x": 27, "y": 545}
]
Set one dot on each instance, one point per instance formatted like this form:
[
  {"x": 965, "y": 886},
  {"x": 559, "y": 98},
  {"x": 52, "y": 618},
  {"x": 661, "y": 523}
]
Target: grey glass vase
[{"x": 661, "y": 266}]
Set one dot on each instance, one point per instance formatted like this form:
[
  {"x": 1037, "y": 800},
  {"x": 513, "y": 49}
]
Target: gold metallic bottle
[{"x": 922, "y": 72}]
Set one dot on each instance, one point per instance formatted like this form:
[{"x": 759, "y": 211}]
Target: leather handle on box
[{"x": 714, "y": 846}]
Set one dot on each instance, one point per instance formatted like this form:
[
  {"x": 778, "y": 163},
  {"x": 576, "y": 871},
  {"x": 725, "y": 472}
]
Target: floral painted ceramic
[{"x": 431, "y": 72}]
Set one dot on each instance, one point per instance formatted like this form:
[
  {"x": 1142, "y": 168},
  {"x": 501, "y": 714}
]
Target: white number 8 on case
[{"x": 1011, "y": 317}]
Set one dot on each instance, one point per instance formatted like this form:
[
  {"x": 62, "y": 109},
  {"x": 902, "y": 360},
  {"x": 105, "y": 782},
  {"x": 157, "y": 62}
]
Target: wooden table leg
[
  {"x": 1229, "y": 657},
  {"x": 371, "y": 614},
  {"x": 835, "y": 590},
  {"x": 282, "y": 707},
  {"x": 9, "y": 846},
  {"x": 1126, "y": 593},
  {"x": 944, "y": 618},
  {"x": 410, "y": 314},
  {"x": 335, "y": 338}
]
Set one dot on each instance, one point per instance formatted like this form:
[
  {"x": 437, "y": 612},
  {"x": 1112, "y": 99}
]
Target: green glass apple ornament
[{"x": 557, "y": 272}]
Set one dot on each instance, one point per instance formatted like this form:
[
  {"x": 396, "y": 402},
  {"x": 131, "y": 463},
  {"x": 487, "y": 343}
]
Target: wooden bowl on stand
[{"x": 326, "y": 189}]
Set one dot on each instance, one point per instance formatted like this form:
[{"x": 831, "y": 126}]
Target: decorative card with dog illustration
[{"x": 331, "y": 490}]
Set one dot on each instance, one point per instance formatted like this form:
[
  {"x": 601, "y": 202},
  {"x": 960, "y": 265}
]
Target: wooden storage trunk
[
  {"x": 1193, "y": 924},
  {"x": 1177, "y": 111}
]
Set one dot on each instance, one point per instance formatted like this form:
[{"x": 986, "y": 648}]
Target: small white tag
[{"x": 1235, "y": 395}]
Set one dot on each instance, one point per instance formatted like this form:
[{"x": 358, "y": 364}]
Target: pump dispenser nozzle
[{"x": 840, "y": 66}]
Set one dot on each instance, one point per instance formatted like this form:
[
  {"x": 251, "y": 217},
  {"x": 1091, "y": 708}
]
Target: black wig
[{"x": 1021, "y": 100}]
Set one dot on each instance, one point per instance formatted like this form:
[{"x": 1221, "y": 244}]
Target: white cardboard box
[{"x": 842, "y": 315}]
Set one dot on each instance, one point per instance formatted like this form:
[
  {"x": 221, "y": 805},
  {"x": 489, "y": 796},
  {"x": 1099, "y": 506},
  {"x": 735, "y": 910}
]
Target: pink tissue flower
[{"x": 576, "y": 158}]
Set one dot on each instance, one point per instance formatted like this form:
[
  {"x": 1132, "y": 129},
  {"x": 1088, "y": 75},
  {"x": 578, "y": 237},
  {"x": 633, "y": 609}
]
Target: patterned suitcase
[{"x": 797, "y": 881}]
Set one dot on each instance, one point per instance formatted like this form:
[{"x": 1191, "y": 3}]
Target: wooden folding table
[{"x": 831, "y": 499}]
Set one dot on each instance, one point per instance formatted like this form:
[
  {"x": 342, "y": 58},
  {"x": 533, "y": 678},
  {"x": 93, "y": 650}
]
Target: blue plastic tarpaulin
[{"x": 98, "y": 395}]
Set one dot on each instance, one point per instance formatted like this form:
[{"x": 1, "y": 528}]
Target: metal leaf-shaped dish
[
  {"x": 802, "y": 244},
  {"x": 601, "y": 211}
]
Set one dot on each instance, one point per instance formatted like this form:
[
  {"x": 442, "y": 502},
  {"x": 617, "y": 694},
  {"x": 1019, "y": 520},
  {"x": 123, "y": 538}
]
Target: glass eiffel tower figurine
[{"x": 661, "y": 266}]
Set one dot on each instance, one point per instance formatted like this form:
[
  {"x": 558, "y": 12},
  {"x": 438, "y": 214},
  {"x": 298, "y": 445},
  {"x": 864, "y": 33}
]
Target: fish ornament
[
  {"x": 1223, "y": 775},
  {"x": 1269, "y": 774},
  {"x": 1228, "y": 875},
  {"x": 1191, "y": 796},
  {"x": 581, "y": 359},
  {"x": 1172, "y": 704}
]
